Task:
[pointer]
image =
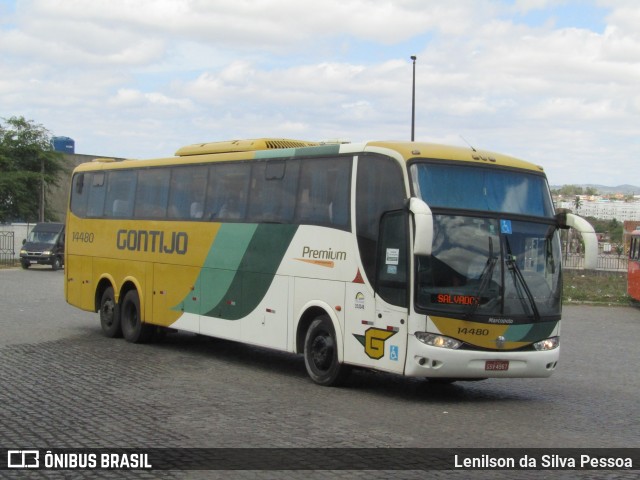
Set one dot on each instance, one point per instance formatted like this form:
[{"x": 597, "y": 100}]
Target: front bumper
[
  {"x": 427, "y": 361},
  {"x": 40, "y": 259}
]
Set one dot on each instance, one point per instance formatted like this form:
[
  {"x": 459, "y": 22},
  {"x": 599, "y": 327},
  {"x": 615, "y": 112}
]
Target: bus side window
[
  {"x": 380, "y": 188},
  {"x": 393, "y": 245},
  {"x": 152, "y": 193},
  {"x": 121, "y": 186},
  {"x": 227, "y": 192},
  {"x": 97, "y": 193},
  {"x": 80, "y": 193},
  {"x": 273, "y": 191},
  {"x": 187, "y": 192},
  {"x": 87, "y": 194},
  {"x": 323, "y": 193}
]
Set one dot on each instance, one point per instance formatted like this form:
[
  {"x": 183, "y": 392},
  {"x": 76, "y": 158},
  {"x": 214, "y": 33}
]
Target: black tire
[
  {"x": 110, "y": 315},
  {"x": 25, "y": 264},
  {"x": 133, "y": 329},
  {"x": 56, "y": 263},
  {"x": 321, "y": 354}
]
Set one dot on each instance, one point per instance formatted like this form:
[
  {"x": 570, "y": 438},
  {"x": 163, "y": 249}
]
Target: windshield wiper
[
  {"x": 517, "y": 273},
  {"x": 485, "y": 279}
]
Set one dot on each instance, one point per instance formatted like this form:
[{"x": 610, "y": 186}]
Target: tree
[
  {"x": 616, "y": 231},
  {"x": 569, "y": 190},
  {"x": 27, "y": 159},
  {"x": 577, "y": 203}
]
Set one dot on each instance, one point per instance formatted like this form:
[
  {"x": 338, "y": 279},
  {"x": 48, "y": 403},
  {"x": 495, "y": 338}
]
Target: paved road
[{"x": 64, "y": 385}]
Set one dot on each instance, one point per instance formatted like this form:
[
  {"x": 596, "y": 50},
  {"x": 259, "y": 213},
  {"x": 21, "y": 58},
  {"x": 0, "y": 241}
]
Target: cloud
[
  {"x": 134, "y": 99},
  {"x": 157, "y": 74}
]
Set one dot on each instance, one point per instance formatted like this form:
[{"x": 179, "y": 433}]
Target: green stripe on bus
[
  {"x": 232, "y": 294},
  {"x": 529, "y": 332},
  {"x": 322, "y": 150},
  {"x": 222, "y": 262}
]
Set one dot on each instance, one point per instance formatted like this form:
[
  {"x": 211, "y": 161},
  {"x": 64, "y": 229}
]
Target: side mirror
[
  {"x": 24, "y": 240},
  {"x": 423, "y": 222},
  {"x": 569, "y": 220}
]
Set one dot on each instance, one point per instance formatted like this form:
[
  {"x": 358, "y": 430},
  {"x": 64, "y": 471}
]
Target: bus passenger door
[
  {"x": 380, "y": 324},
  {"x": 392, "y": 285}
]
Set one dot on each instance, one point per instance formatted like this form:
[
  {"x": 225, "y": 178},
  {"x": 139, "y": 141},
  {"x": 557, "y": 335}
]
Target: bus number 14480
[
  {"x": 84, "y": 237},
  {"x": 473, "y": 331}
]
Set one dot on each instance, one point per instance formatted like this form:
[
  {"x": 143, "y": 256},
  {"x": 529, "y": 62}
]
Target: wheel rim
[
  {"x": 107, "y": 312},
  {"x": 322, "y": 350}
]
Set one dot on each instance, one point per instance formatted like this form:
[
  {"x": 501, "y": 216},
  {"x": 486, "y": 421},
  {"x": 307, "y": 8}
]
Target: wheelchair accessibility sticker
[
  {"x": 393, "y": 352},
  {"x": 505, "y": 227}
]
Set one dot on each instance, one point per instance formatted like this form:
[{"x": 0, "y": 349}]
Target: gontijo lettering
[{"x": 152, "y": 241}]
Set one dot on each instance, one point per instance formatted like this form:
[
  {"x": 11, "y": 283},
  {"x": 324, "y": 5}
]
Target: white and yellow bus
[{"x": 413, "y": 258}]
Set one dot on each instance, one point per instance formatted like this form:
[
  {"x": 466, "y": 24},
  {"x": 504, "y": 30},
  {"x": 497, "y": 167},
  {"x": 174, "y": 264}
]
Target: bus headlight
[
  {"x": 547, "y": 344},
  {"x": 436, "y": 340}
]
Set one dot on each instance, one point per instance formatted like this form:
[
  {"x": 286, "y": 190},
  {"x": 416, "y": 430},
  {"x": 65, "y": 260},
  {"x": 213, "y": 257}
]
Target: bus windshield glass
[
  {"x": 491, "y": 269},
  {"x": 482, "y": 188},
  {"x": 496, "y": 252}
]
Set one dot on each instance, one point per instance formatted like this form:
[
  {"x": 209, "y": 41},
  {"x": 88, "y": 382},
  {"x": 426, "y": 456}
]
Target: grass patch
[{"x": 606, "y": 288}]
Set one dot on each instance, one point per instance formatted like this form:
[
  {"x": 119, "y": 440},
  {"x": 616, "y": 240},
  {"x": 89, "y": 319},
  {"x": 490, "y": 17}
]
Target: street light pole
[
  {"x": 42, "y": 190},
  {"x": 413, "y": 100}
]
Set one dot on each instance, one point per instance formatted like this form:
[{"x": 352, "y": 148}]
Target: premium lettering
[
  {"x": 308, "y": 252},
  {"x": 152, "y": 241}
]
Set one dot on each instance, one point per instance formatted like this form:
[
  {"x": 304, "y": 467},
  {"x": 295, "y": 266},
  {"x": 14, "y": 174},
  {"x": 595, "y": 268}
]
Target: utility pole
[
  {"x": 42, "y": 190},
  {"x": 413, "y": 100}
]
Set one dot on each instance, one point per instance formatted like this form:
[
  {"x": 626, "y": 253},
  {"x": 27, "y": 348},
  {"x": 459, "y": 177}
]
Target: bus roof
[
  {"x": 242, "y": 146},
  {"x": 411, "y": 150},
  {"x": 262, "y": 148}
]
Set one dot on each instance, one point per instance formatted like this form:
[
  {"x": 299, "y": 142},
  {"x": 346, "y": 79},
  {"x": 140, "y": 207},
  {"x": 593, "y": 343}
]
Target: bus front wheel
[
  {"x": 321, "y": 354},
  {"x": 109, "y": 314},
  {"x": 133, "y": 329}
]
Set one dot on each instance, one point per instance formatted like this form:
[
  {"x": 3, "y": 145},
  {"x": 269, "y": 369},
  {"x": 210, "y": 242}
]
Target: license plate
[{"x": 496, "y": 365}]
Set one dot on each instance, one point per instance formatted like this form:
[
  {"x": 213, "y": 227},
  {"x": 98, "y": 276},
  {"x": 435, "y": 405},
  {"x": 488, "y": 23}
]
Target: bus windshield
[
  {"x": 495, "y": 265},
  {"x": 482, "y": 188},
  {"x": 491, "y": 269}
]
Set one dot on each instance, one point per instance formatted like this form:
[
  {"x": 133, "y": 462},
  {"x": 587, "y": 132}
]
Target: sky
[{"x": 550, "y": 81}]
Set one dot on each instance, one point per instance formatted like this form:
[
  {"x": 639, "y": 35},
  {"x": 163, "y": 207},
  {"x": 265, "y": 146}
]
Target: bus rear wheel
[
  {"x": 321, "y": 354},
  {"x": 109, "y": 314},
  {"x": 133, "y": 329}
]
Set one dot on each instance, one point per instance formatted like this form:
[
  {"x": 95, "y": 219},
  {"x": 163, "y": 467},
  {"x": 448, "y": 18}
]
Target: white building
[{"x": 605, "y": 209}]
